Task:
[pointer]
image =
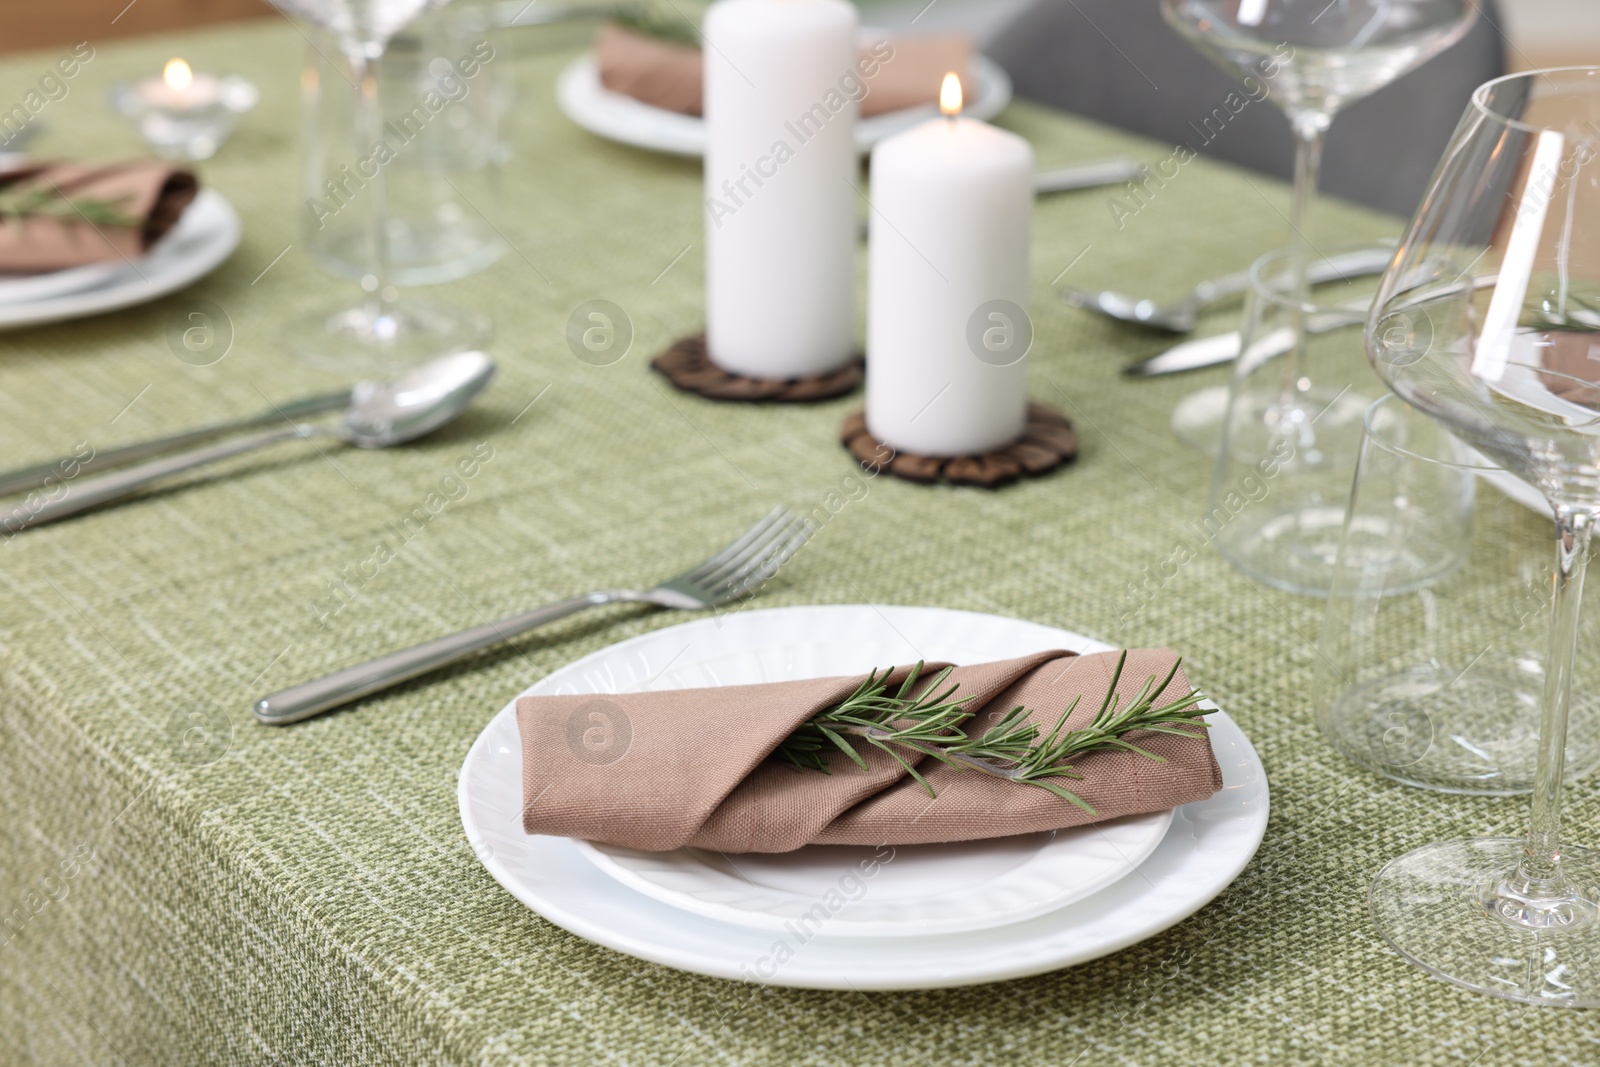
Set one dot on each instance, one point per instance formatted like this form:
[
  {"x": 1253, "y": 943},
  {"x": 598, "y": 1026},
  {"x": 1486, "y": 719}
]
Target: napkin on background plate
[
  {"x": 668, "y": 75},
  {"x": 148, "y": 194},
  {"x": 663, "y": 770}
]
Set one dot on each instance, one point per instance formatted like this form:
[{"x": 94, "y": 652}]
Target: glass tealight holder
[
  {"x": 1437, "y": 626},
  {"x": 184, "y": 114}
]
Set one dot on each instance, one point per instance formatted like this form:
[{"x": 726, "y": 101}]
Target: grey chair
[{"x": 1118, "y": 62}]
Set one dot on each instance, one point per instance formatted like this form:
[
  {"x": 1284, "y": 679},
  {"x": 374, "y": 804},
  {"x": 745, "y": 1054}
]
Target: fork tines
[{"x": 755, "y": 557}]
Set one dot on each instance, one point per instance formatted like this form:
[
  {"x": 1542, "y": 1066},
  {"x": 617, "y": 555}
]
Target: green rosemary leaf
[
  {"x": 1065, "y": 794},
  {"x": 846, "y": 747},
  {"x": 908, "y": 767}
]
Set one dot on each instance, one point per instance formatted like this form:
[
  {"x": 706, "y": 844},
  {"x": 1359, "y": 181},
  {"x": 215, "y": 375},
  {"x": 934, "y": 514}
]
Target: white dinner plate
[
  {"x": 205, "y": 235},
  {"x": 16, "y": 288},
  {"x": 927, "y": 889},
  {"x": 1208, "y": 844},
  {"x": 619, "y": 117}
]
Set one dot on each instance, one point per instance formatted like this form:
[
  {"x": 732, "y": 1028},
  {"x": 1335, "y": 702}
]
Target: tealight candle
[
  {"x": 179, "y": 88},
  {"x": 781, "y": 98},
  {"x": 947, "y": 324}
]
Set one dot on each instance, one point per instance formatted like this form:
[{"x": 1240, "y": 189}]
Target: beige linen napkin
[
  {"x": 668, "y": 75},
  {"x": 1573, "y": 363},
  {"x": 148, "y": 196},
  {"x": 663, "y": 770}
]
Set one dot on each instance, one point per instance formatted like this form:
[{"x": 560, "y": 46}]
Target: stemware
[
  {"x": 1314, "y": 57},
  {"x": 1282, "y": 477},
  {"x": 445, "y": 186},
  {"x": 1489, "y": 320},
  {"x": 385, "y": 331},
  {"x": 1433, "y": 646}
]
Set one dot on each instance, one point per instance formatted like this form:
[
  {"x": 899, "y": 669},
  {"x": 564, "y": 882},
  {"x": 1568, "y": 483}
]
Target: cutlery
[
  {"x": 1183, "y": 315},
  {"x": 1113, "y": 171},
  {"x": 736, "y": 571},
  {"x": 41, "y": 474},
  {"x": 1224, "y": 347},
  {"x": 1101, "y": 172},
  {"x": 417, "y": 403}
]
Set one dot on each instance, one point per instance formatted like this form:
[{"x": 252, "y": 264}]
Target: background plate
[
  {"x": 619, "y": 117},
  {"x": 206, "y": 235}
]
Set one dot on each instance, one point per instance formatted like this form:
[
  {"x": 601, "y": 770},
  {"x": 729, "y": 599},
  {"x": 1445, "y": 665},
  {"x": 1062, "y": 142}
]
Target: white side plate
[{"x": 206, "y": 235}]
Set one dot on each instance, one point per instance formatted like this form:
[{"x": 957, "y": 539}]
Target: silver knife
[
  {"x": 1189, "y": 355},
  {"x": 1224, "y": 347},
  {"x": 56, "y": 470},
  {"x": 1086, "y": 175}
]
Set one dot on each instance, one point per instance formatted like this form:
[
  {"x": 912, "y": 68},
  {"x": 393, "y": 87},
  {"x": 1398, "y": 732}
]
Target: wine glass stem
[
  {"x": 369, "y": 135},
  {"x": 1541, "y": 862},
  {"x": 1310, "y": 127}
]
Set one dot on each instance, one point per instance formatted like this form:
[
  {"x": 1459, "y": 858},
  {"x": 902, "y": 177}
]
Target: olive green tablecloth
[{"x": 179, "y": 885}]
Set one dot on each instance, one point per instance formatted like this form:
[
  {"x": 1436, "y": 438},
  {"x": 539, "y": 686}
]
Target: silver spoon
[
  {"x": 392, "y": 413},
  {"x": 1182, "y": 316}
]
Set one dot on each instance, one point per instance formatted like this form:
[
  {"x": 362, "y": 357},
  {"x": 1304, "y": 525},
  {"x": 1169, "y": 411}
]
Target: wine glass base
[
  {"x": 1293, "y": 550},
  {"x": 1197, "y": 420},
  {"x": 1278, "y": 501},
  {"x": 1447, "y": 909},
  {"x": 368, "y": 340}
]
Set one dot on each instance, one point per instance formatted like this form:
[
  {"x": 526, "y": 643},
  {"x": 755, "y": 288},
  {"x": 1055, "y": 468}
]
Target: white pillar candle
[
  {"x": 782, "y": 90},
  {"x": 947, "y": 325}
]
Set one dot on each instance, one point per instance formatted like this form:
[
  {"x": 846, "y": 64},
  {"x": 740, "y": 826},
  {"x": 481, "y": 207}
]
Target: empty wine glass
[
  {"x": 1315, "y": 57},
  {"x": 1489, "y": 320},
  {"x": 385, "y": 330}
]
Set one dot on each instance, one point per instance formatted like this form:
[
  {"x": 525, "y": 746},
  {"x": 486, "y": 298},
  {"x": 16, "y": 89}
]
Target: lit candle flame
[
  {"x": 950, "y": 95},
  {"x": 177, "y": 75}
]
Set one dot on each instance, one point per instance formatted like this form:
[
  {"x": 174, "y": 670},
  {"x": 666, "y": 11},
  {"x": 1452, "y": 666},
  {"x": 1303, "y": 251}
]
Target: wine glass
[
  {"x": 1314, "y": 56},
  {"x": 1489, "y": 320},
  {"x": 384, "y": 331}
]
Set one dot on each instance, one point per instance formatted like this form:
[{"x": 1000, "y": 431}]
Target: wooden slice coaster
[
  {"x": 688, "y": 366},
  {"x": 1047, "y": 442}
]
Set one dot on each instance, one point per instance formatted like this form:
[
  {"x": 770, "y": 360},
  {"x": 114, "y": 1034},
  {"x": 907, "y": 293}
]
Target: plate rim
[
  {"x": 1248, "y": 825},
  {"x": 684, "y": 135},
  {"x": 134, "y": 291},
  {"x": 95, "y": 273},
  {"x": 843, "y": 927}
]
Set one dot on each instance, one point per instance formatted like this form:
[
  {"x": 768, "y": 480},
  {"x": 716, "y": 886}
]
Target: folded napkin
[
  {"x": 667, "y": 74},
  {"x": 58, "y": 215},
  {"x": 1571, "y": 361},
  {"x": 662, "y": 770}
]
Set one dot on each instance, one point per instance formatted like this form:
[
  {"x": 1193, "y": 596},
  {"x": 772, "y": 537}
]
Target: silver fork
[{"x": 734, "y": 572}]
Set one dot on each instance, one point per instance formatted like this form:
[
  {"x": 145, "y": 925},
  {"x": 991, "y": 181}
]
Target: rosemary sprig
[
  {"x": 40, "y": 202},
  {"x": 930, "y": 724},
  {"x": 673, "y": 28}
]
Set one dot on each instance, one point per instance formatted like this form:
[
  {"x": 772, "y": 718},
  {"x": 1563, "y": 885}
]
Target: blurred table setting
[{"x": 736, "y": 532}]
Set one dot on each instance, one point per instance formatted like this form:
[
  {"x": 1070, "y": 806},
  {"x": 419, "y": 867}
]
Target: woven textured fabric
[{"x": 181, "y": 886}]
